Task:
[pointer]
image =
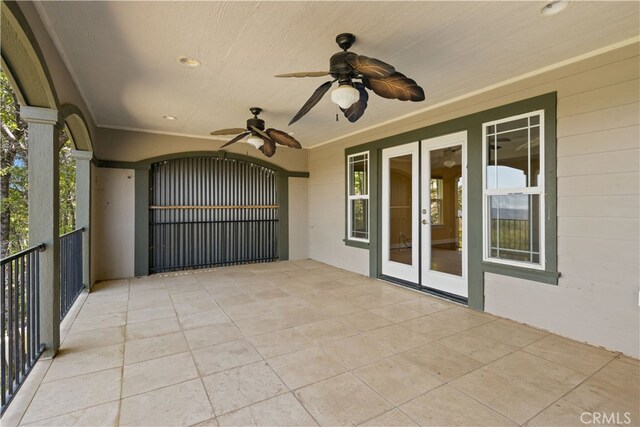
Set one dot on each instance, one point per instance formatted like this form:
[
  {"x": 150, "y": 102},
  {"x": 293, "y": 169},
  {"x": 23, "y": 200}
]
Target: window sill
[
  {"x": 548, "y": 277},
  {"x": 356, "y": 243}
]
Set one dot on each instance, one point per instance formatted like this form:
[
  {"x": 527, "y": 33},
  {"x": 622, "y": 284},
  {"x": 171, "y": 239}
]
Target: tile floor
[{"x": 301, "y": 343}]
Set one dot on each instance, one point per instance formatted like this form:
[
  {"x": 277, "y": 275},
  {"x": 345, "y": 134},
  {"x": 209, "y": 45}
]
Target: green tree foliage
[
  {"x": 67, "y": 188},
  {"x": 14, "y": 182},
  {"x": 13, "y": 173}
]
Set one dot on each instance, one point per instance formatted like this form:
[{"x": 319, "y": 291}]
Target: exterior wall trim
[
  {"x": 23, "y": 60},
  {"x": 473, "y": 125},
  {"x": 146, "y": 163}
]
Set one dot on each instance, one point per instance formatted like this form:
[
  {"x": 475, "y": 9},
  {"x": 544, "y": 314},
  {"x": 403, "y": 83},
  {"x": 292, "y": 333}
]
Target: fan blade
[
  {"x": 268, "y": 148},
  {"x": 232, "y": 131},
  {"x": 396, "y": 86},
  {"x": 262, "y": 134},
  {"x": 236, "y": 139},
  {"x": 283, "y": 138},
  {"x": 356, "y": 110},
  {"x": 305, "y": 74},
  {"x": 370, "y": 67},
  {"x": 311, "y": 102}
]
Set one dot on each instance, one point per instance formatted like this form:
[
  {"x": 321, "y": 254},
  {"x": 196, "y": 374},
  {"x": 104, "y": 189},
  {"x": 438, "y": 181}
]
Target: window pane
[
  {"x": 436, "y": 200},
  {"x": 358, "y": 169},
  {"x": 436, "y": 212},
  {"x": 513, "y": 124},
  {"x": 359, "y": 218},
  {"x": 509, "y": 157},
  {"x": 534, "y": 167},
  {"x": 515, "y": 227},
  {"x": 400, "y": 214}
]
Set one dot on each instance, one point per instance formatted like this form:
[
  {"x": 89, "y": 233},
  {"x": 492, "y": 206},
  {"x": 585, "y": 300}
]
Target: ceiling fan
[
  {"x": 263, "y": 140},
  {"x": 351, "y": 95}
]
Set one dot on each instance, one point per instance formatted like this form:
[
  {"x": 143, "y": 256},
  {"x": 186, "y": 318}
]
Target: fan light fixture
[
  {"x": 345, "y": 95},
  {"x": 187, "y": 61},
  {"x": 355, "y": 75},
  {"x": 450, "y": 162},
  {"x": 263, "y": 139},
  {"x": 554, "y": 7},
  {"x": 255, "y": 141}
]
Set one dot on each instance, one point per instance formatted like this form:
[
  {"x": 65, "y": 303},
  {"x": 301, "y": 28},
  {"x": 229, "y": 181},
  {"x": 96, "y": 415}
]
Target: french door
[
  {"x": 400, "y": 250},
  {"x": 443, "y": 214},
  {"x": 424, "y": 235}
]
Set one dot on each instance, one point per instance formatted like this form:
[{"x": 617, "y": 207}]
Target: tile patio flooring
[{"x": 303, "y": 343}]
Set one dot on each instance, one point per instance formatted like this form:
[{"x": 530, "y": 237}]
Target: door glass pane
[
  {"x": 400, "y": 214},
  {"x": 446, "y": 199}
]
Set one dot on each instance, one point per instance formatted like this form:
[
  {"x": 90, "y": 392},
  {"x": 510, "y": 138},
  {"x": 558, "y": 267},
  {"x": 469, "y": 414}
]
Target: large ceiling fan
[
  {"x": 263, "y": 140},
  {"x": 351, "y": 95}
]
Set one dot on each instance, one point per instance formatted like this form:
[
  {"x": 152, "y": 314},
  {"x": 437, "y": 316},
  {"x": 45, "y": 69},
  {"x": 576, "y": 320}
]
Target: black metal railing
[
  {"x": 70, "y": 269},
  {"x": 205, "y": 244},
  {"x": 513, "y": 239},
  {"x": 20, "y": 323}
]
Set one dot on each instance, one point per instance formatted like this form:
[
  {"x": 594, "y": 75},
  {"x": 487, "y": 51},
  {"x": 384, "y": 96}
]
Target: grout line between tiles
[{"x": 572, "y": 389}]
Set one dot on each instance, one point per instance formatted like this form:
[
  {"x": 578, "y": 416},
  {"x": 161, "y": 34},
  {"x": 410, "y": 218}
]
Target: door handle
[{"x": 424, "y": 221}]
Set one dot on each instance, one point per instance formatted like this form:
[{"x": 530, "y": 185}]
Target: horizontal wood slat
[{"x": 218, "y": 207}]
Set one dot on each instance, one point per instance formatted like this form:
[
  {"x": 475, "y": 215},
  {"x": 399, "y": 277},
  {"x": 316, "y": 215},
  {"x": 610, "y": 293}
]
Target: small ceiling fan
[
  {"x": 263, "y": 140},
  {"x": 351, "y": 95}
]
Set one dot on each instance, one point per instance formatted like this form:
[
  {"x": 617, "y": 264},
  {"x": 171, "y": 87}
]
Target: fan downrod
[
  {"x": 255, "y": 111},
  {"x": 345, "y": 40}
]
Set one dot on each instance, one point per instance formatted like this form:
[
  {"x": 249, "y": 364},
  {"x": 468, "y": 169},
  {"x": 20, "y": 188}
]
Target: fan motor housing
[
  {"x": 338, "y": 66},
  {"x": 256, "y": 123}
]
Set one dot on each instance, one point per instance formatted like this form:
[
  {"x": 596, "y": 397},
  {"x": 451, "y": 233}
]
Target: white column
[
  {"x": 83, "y": 208},
  {"x": 44, "y": 206}
]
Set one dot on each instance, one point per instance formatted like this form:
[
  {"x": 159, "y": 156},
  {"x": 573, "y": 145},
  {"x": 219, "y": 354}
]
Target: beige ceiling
[{"x": 123, "y": 55}]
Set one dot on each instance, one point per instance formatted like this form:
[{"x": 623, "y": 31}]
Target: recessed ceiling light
[
  {"x": 170, "y": 117},
  {"x": 554, "y": 7},
  {"x": 187, "y": 61}
]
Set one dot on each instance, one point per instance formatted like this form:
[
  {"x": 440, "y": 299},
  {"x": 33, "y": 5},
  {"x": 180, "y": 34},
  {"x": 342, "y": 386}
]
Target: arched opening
[
  {"x": 30, "y": 177},
  {"x": 67, "y": 185},
  {"x": 211, "y": 211},
  {"x": 14, "y": 213}
]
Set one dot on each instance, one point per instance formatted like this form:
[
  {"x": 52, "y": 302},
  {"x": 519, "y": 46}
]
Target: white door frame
[
  {"x": 409, "y": 273},
  {"x": 452, "y": 284}
]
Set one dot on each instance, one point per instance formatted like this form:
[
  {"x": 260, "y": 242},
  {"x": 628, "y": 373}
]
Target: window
[
  {"x": 436, "y": 201},
  {"x": 513, "y": 196},
  {"x": 358, "y": 196}
]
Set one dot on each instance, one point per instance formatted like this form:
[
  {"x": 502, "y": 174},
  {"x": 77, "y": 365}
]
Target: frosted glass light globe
[
  {"x": 345, "y": 96},
  {"x": 255, "y": 141}
]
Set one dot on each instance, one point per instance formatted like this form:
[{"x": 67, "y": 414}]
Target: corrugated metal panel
[{"x": 210, "y": 211}]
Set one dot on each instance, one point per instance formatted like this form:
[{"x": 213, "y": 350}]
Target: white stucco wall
[
  {"x": 298, "y": 218},
  {"x": 596, "y": 300},
  {"x": 113, "y": 217},
  {"x": 327, "y": 211}
]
